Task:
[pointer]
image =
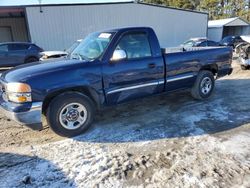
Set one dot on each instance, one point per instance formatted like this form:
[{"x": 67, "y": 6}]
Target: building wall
[
  {"x": 218, "y": 33},
  {"x": 246, "y": 30},
  {"x": 235, "y": 30},
  {"x": 215, "y": 33},
  {"x": 58, "y": 26},
  {"x": 17, "y": 27}
]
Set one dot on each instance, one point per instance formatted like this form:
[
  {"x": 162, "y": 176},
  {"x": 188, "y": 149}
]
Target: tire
[
  {"x": 243, "y": 67},
  {"x": 204, "y": 85},
  {"x": 30, "y": 60},
  {"x": 70, "y": 114}
]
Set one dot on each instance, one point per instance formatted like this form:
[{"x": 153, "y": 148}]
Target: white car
[
  {"x": 46, "y": 55},
  {"x": 243, "y": 52}
]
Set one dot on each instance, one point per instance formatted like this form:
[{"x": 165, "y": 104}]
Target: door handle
[{"x": 151, "y": 65}]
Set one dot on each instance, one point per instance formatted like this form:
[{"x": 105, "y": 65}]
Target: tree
[
  {"x": 217, "y": 9},
  {"x": 211, "y": 6}
]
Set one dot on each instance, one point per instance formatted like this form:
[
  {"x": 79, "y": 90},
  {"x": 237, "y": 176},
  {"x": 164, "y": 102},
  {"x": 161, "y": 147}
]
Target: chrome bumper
[{"x": 31, "y": 118}]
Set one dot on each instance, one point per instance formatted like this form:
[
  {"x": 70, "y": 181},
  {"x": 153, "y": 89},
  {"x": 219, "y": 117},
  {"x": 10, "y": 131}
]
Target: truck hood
[{"x": 25, "y": 72}]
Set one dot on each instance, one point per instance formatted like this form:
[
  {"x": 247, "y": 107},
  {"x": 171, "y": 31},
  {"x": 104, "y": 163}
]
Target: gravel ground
[{"x": 163, "y": 141}]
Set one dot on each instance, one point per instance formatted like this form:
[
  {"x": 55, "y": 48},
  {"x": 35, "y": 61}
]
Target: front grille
[
  {"x": 3, "y": 91},
  {"x": 2, "y": 88}
]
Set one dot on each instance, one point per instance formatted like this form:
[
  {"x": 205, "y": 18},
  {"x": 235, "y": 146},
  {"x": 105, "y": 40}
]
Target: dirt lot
[{"x": 164, "y": 141}]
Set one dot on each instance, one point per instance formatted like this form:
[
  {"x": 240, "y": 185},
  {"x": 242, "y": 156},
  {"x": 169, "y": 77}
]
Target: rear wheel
[
  {"x": 204, "y": 85},
  {"x": 70, "y": 114}
]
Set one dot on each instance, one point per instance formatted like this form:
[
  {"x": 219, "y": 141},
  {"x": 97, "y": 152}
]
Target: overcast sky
[{"x": 32, "y": 2}]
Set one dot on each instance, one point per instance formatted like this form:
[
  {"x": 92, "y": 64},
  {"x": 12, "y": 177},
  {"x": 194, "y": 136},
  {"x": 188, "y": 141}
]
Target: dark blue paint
[
  {"x": 16, "y": 53},
  {"x": 101, "y": 76}
]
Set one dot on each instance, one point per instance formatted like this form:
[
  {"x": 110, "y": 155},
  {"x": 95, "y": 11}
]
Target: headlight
[
  {"x": 18, "y": 92},
  {"x": 44, "y": 57}
]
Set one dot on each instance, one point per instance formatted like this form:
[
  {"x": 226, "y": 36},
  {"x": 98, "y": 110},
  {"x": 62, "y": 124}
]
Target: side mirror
[{"x": 119, "y": 55}]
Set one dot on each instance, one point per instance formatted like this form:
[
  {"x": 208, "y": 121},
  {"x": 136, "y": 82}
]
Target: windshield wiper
[
  {"x": 79, "y": 57},
  {"x": 76, "y": 56}
]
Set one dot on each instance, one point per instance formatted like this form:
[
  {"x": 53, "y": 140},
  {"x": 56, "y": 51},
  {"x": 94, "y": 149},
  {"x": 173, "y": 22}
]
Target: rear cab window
[
  {"x": 4, "y": 48},
  {"x": 212, "y": 43},
  {"x": 202, "y": 44},
  {"x": 189, "y": 44}
]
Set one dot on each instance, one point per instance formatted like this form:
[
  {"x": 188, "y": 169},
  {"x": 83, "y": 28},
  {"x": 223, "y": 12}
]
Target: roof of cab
[
  {"x": 15, "y": 43},
  {"x": 122, "y": 29}
]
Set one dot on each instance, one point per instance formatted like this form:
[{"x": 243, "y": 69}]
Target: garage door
[{"x": 5, "y": 34}]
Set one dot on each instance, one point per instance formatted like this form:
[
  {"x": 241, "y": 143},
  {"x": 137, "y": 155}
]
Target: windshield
[
  {"x": 92, "y": 47},
  {"x": 72, "y": 47},
  {"x": 188, "y": 44},
  {"x": 227, "y": 39}
]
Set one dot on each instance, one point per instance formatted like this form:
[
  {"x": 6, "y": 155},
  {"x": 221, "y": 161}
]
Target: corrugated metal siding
[
  {"x": 18, "y": 28},
  {"x": 215, "y": 33},
  {"x": 246, "y": 30},
  {"x": 235, "y": 31},
  {"x": 58, "y": 26}
]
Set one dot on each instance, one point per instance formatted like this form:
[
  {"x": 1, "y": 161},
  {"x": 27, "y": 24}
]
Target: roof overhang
[
  {"x": 31, "y": 3},
  {"x": 230, "y": 22},
  {"x": 237, "y": 22},
  {"x": 11, "y": 12},
  {"x": 34, "y": 3}
]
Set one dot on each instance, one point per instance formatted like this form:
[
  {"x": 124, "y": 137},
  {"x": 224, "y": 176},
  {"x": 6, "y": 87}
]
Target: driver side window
[{"x": 136, "y": 45}]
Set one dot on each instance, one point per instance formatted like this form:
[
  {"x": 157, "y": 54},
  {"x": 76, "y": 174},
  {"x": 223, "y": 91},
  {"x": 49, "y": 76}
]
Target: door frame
[{"x": 11, "y": 33}]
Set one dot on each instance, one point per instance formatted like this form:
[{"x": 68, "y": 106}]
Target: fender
[{"x": 94, "y": 95}]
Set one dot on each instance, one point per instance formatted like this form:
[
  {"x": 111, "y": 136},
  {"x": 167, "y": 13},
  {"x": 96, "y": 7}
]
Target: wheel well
[
  {"x": 30, "y": 57},
  {"x": 84, "y": 90},
  {"x": 212, "y": 68}
]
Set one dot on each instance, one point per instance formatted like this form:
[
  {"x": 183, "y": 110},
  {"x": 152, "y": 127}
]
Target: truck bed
[
  {"x": 186, "y": 63},
  {"x": 181, "y": 49}
]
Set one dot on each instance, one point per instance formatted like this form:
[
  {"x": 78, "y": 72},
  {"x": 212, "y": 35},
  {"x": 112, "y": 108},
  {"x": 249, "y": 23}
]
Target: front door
[
  {"x": 138, "y": 75},
  {"x": 17, "y": 54},
  {"x": 4, "y": 61}
]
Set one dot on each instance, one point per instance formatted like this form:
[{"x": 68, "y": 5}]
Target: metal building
[
  {"x": 218, "y": 29},
  {"x": 56, "y": 26}
]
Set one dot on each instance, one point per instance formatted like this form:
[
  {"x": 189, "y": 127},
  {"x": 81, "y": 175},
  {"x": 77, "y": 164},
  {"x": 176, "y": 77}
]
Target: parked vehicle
[
  {"x": 199, "y": 42},
  {"x": 232, "y": 41},
  {"x": 107, "y": 68},
  {"x": 243, "y": 51},
  {"x": 59, "y": 54},
  {"x": 17, "y": 53}
]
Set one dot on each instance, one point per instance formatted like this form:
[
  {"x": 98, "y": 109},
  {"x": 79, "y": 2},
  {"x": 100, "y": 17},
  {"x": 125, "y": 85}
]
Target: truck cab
[{"x": 133, "y": 66}]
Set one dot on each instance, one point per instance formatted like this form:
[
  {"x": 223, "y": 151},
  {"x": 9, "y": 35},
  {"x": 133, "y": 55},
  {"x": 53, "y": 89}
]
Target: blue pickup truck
[{"x": 107, "y": 68}]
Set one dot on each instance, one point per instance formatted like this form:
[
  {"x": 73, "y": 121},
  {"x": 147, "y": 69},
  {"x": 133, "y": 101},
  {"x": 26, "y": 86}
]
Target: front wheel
[
  {"x": 70, "y": 114},
  {"x": 244, "y": 67},
  {"x": 204, "y": 85}
]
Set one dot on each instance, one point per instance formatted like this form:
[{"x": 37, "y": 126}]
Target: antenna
[{"x": 40, "y": 5}]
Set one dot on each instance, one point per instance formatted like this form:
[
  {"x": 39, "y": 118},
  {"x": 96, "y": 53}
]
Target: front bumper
[{"x": 31, "y": 118}]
